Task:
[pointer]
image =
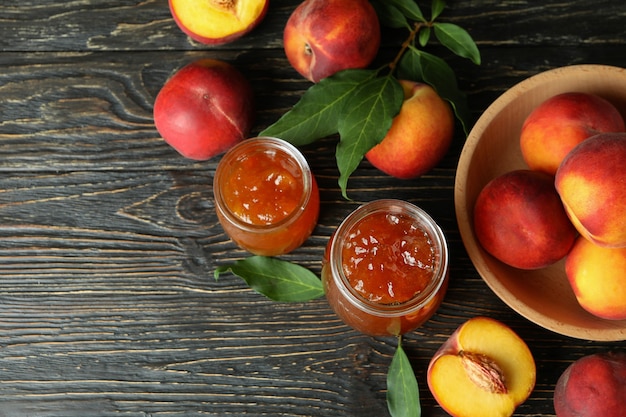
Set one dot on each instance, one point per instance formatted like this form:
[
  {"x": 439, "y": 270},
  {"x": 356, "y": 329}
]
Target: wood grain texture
[
  {"x": 109, "y": 240},
  {"x": 139, "y": 25}
]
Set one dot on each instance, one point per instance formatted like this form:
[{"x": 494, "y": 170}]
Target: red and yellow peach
[
  {"x": 591, "y": 182},
  {"x": 520, "y": 220},
  {"x": 420, "y": 134},
  {"x": 597, "y": 276},
  {"x": 323, "y": 37},
  {"x": 593, "y": 386},
  {"x": 561, "y": 122},
  {"x": 204, "y": 109}
]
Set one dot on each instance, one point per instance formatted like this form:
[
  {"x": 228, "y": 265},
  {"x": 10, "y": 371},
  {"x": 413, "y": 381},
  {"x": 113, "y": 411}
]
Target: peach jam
[
  {"x": 266, "y": 197},
  {"x": 385, "y": 269}
]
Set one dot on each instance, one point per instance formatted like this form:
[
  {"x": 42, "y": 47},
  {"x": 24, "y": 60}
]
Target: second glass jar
[{"x": 385, "y": 269}]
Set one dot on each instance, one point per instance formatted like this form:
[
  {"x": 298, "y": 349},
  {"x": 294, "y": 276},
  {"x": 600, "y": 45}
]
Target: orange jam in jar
[
  {"x": 385, "y": 269},
  {"x": 266, "y": 197}
]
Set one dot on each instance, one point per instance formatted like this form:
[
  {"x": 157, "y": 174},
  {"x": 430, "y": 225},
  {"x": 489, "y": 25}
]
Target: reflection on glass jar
[
  {"x": 385, "y": 269},
  {"x": 266, "y": 197}
]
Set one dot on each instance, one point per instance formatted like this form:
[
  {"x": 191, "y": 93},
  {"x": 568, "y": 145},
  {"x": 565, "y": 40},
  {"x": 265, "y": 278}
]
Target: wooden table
[{"x": 109, "y": 240}]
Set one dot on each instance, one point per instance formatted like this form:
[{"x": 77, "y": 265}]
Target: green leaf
[
  {"x": 316, "y": 114},
  {"x": 403, "y": 398},
  {"x": 278, "y": 280},
  {"x": 424, "y": 36},
  {"x": 420, "y": 65},
  {"x": 437, "y": 9},
  {"x": 365, "y": 122},
  {"x": 389, "y": 15},
  {"x": 456, "y": 39},
  {"x": 409, "y": 8}
]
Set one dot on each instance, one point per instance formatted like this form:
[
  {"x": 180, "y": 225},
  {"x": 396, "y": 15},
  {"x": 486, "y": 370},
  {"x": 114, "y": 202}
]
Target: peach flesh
[
  {"x": 500, "y": 352},
  {"x": 215, "y": 22}
]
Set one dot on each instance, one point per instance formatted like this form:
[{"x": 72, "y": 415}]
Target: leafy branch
[{"x": 360, "y": 105}]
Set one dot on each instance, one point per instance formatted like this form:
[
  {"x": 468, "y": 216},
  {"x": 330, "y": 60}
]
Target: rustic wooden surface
[{"x": 108, "y": 238}]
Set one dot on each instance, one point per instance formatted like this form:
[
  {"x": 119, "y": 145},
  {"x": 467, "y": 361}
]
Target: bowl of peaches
[{"x": 540, "y": 199}]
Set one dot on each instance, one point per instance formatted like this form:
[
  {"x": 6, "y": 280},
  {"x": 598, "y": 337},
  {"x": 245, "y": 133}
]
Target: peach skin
[
  {"x": 323, "y": 37},
  {"x": 484, "y": 369},
  {"x": 520, "y": 220},
  {"x": 598, "y": 278},
  {"x": 204, "y": 109},
  {"x": 591, "y": 182},
  {"x": 420, "y": 134},
  {"x": 593, "y": 386},
  {"x": 563, "y": 121}
]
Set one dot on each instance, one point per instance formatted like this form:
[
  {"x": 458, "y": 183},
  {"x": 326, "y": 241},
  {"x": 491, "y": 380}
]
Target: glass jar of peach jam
[
  {"x": 385, "y": 269},
  {"x": 266, "y": 197}
]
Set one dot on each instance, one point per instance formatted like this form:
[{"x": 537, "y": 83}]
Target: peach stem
[{"x": 408, "y": 41}]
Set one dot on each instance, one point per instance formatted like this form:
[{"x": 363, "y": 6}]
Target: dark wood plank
[
  {"x": 117, "y": 304},
  {"x": 109, "y": 240},
  {"x": 93, "y": 111},
  {"x": 133, "y": 25}
]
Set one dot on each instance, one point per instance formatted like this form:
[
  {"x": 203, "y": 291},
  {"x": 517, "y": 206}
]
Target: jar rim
[
  {"x": 426, "y": 222},
  {"x": 267, "y": 143}
]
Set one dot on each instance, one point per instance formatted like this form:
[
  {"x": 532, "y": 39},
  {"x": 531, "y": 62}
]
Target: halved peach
[
  {"x": 484, "y": 369},
  {"x": 216, "y": 22}
]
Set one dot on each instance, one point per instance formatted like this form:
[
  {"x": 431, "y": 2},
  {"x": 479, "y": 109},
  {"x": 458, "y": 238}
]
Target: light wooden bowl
[{"x": 492, "y": 148}]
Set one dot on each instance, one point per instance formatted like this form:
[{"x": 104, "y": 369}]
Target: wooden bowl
[{"x": 492, "y": 148}]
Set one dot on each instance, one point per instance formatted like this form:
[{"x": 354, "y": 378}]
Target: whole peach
[
  {"x": 597, "y": 276},
  {"x": 216, "y": 22},
  {"x": 323, "y": 37},
  {"x": 591, "y": 181},
  {"x": 593, "y": 386},
  {"x": 420, "y": 135},
  {"x": 204, "y": 109},
  {"x": 563, "y": 121},
  {"x": 519, "y": 219}
]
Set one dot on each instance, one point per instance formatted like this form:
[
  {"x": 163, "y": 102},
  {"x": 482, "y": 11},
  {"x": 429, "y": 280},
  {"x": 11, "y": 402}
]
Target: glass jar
[
  {"x": 266, "y": 197},
  {"x": 385, "y": 269}
]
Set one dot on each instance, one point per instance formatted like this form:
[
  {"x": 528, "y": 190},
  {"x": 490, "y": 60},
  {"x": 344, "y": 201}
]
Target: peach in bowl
[{"x": 543, "y": 294}]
